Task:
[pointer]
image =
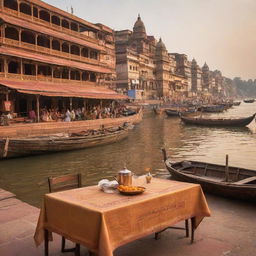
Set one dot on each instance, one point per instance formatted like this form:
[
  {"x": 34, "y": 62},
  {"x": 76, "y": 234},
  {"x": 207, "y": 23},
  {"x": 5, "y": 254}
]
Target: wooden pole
[
  {"x": 37, "y": 108},
  {"x": 70, "y": 103},
  {"x": 226, "y": 170}
]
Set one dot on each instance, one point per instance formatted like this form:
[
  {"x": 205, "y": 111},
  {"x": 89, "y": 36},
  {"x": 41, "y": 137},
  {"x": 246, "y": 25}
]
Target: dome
[
  {"x": 194, "y": 61},
  {"x": 139, "y": 29},
  {"x": 160, "y": 45},
  {"x": 205, "y": 67}
]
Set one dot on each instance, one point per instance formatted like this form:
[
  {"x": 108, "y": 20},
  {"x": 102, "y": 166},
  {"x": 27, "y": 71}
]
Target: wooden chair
[{"x": 61, "y": 183}]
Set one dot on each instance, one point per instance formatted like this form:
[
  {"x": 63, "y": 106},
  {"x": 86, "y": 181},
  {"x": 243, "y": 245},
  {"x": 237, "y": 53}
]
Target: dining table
[{"x": 103, "y": 221}]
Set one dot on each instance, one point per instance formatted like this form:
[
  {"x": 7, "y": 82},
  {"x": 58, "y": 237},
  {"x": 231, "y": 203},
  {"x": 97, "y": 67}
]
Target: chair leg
[
  {"x": 77, "y": 250},
  {"x": 157, "y": 235},
  {"x": 63, "y": 243},
  {"x": 187, "y": 228},
  {"x": 193, "y": 222},
  {"x": 46, "y": 242}
]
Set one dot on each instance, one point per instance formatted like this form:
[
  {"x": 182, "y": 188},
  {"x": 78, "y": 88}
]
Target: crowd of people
[{"x": 68, "y": 115}]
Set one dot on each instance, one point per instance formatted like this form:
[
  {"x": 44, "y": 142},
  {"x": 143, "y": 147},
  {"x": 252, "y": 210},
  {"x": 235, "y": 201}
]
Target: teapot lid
[{"x": 124, "y": 171}]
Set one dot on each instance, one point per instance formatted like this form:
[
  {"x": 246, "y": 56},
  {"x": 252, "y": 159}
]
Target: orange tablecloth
[{"x": 103, "y": 222}]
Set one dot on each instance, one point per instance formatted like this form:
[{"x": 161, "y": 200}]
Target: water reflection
[{"x": 27, "y": 177}]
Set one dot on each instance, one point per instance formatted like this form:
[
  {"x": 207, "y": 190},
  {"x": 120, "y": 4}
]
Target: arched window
[
  {"x": 28, "y": 37},
  {"x": 11, "y": 4},
  {"x": 85, "y": 76},
  {"x": 93, "y": 77},
  {"x": 12, "y": 33},
  {"x": 65, "y": 74},
  {"x": 75, "y": 75},
  {"x": 55, "y": 20},
  {"x": 29, "y": 69},
  {"x": 25, "y": 8},
  {"x": 14, "y": 67},
  {"x": 65, "y": 24},
  {"x": 55, "y": 45},
  {"x": 85, "y": 52},
  {"x": 43, "y": 41},
  {"x": 74, "y": 26},
  {"x": 65, "y": 47},
  {"x": 75, "y": 50},
  {"x": 57, "y": 73},
  {"x": 35, "y": 12},
  {"x": 93, "y": 55},
  {"x": 1, "y": 65},
  {"x": 44, "y": 70},
  {"x": 44, "y": 15}
]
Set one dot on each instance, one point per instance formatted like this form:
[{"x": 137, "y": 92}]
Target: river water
[{"x": 27, "y": 177}]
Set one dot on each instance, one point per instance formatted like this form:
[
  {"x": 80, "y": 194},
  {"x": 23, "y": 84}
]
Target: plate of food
[{"x": 130, "y": 190}]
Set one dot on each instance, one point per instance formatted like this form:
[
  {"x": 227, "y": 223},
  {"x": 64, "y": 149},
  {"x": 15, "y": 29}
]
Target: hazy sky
[{"x": 220, "y": 32}]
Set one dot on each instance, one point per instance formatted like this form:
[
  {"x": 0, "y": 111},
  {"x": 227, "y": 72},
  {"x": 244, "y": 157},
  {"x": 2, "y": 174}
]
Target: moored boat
[
  {"x": 16, "y": 147},
  {"x": 236, "y": 103},
  {"x": 232, "y": 182},
  {"x": 249, "y": 100},
  {"x": 213, "y": 108},
  {"x": 227, "y": 122},
  {"x": 180, "y": 111},
  {"x": 48, "y": 128}
]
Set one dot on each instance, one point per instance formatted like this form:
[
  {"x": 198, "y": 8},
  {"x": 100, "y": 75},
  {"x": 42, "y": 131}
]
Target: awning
[
  {"x": 61, "y": 89},
  {"x": 52, "y": 60}
]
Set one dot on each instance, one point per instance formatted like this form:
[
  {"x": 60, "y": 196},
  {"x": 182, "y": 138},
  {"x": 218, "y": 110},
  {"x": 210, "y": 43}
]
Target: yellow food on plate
[{"x": 123, "y": 188}]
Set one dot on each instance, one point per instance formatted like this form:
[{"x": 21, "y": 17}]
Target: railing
[
  {"x": 28, "y": 46},
  {"x": 11, "y": 42},
  {"x": 42, "y": 49},
  {"x": 15, "y": 76},
  {"x": 25, "y": 16},
  {"x": 49, "y": 79}
]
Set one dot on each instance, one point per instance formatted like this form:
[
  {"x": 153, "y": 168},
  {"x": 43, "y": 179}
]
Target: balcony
[
  {"x": 50, "y": 25},
  {"x": 40, "y": 49},
  {"x": 49, "y": 79}
]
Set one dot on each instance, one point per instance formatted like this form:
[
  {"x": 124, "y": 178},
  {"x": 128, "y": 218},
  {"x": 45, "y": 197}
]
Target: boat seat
[{"x": 245, "y": 181}]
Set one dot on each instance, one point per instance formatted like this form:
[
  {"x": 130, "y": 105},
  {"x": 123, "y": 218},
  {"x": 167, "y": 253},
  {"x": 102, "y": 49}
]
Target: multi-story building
[
  {"x": 53, "y": 55},
  {"x": 144, "y": 64},
  {"x": 196, "y": 78}
]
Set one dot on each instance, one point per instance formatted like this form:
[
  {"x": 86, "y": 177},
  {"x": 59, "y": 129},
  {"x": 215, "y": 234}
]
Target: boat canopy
[{"x": 52, "y": 89}]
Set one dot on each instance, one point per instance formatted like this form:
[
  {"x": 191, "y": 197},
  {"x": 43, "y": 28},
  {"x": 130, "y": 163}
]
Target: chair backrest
[{"x": 64, "y": 182}]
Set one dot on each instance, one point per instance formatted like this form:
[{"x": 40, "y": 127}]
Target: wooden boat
[
  {"x": 233, "y": 182},
  {"x": 232, "y": 122},
  {"x": 213, "y": 108},
  {"x": 249, "y": 100},
  {"x": 16, "y": 147},
  {"x": 236, "y": 103},
  {"x": 48, "y": 128},
  {"x": 180, "y": 111}
]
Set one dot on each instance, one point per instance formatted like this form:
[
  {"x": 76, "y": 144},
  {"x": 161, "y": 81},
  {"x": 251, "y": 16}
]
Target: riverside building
[
  {"x": 144, "y": 65},
  {"x": 147, "y": 71},
  {"x": 51, "y": 58}
]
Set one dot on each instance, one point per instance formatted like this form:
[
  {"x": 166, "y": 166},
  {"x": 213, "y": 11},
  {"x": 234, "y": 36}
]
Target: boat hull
[
  {"x": 214, "y": 179},
  {"x": 239, "y": 122},
  {"x": 50, "y": 144},
  {"x": 249, "y": 101}
]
